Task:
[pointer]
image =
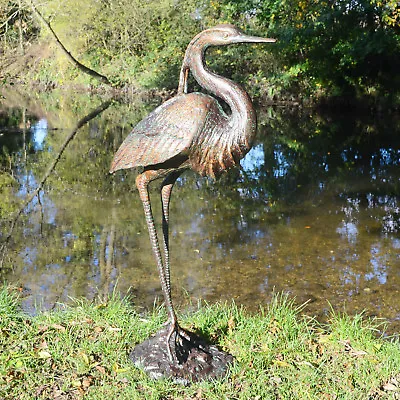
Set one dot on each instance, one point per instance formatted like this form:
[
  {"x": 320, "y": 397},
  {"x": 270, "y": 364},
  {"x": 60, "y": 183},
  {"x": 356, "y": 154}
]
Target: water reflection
[
  {"x": 348, "y": 228},
  {"x": 282, "y": 165},
  {"x": 39, "y": 133},
  {"x": 314, "y": 211}
]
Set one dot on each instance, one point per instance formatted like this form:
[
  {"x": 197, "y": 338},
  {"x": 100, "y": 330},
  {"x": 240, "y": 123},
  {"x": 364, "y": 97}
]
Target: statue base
[{"x": 194, "y": 359}]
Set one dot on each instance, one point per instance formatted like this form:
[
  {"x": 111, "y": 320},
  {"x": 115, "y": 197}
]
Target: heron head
[{"x": 225, "y": 34}]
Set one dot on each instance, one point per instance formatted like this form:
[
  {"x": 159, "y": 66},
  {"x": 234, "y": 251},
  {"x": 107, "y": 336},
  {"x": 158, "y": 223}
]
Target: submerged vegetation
[
  {"x": 326, "y": 51},
  {"x": 82, "y": 351}
]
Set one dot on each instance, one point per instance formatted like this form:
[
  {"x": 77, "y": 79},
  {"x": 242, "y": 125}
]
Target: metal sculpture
[{"x": 191, "y": 130}]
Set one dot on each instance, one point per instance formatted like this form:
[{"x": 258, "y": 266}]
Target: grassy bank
[{"x": 81, "y": 352}]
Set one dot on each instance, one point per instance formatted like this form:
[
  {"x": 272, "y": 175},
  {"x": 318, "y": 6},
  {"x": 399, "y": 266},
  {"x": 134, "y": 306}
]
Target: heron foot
[
  {"x": 181, "y": 355},
  {"x": 180, "y": 344},
  {"x": 178, "y": 337}
]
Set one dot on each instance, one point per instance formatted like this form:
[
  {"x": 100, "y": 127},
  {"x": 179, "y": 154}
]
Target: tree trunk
[{"x": 20, "y": 30}]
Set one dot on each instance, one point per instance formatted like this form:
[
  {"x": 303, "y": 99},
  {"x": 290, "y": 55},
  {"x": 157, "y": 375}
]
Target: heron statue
[{"x": 189, "y": 131}]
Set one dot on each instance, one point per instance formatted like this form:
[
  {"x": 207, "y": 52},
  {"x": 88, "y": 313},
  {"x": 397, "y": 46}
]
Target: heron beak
[{"x": 252, "y": 39}]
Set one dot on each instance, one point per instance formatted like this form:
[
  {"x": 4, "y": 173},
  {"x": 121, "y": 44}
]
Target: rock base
[{"x": 193, "y": 358}]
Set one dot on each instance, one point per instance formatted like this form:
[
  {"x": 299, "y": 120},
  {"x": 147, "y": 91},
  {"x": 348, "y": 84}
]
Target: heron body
[
  {"x": 191, "y": 130},
  {"x": 185, "y": 131}
]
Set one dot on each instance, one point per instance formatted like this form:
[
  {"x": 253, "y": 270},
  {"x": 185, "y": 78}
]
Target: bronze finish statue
[{"x": 191, "y": 130}]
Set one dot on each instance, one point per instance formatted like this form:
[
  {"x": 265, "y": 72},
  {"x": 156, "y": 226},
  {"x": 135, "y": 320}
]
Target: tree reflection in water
[{"x": 314, "y": 212}]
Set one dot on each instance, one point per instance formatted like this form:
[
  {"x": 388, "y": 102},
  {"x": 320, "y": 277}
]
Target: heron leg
[
  {"x": 166, "y": 190},
  {"x": 142, "y": 183}
]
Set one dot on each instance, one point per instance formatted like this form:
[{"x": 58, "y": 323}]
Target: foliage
[
  {"x": 9, "y": 203},
  {"x": 344, "y": 50},
  {"x": 136, "y": 43},
  {"x": 17, "y": 27},
  {"x": 327, "y": 48}
]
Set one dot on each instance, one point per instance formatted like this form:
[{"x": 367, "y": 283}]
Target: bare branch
[{"x": 71, "y": 58}]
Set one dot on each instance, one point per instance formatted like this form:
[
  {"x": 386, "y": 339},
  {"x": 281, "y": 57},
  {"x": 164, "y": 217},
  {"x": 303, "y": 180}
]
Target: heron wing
[{"x": 166, "y": 132}]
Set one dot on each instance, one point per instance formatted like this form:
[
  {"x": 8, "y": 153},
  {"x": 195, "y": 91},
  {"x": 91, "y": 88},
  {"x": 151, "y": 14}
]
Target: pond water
[{"x": 313, "y": 212}]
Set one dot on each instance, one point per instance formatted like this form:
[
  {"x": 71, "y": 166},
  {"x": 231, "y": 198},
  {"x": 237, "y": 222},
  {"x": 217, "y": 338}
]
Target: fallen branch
[{"x": 71, "y": 58}]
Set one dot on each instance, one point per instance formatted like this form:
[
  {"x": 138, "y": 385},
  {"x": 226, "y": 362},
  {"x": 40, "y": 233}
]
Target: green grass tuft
[{"x": 81, "y": 351}]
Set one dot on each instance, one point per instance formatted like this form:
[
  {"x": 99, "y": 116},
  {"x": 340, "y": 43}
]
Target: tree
[
  {"x": 17, "y": 28},
  {"x": 341, "y": 48},
  {"x": 70, "y": 57}
]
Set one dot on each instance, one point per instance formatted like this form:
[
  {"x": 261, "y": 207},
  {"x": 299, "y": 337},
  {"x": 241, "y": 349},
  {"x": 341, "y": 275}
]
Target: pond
[{"x": 313, "y": 212}]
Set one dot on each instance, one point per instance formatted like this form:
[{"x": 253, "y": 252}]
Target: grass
[{"x": 81, "y": 351}]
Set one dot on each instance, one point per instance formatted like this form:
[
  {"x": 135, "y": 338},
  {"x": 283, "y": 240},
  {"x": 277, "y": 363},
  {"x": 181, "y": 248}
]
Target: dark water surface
[{"x": 315, "y": 212}]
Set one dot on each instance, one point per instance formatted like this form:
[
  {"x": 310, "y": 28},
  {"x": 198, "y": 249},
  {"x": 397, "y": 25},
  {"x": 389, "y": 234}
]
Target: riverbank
[
  {"x": 82, "y": 352},
  {"x": 38, "y": 71}
]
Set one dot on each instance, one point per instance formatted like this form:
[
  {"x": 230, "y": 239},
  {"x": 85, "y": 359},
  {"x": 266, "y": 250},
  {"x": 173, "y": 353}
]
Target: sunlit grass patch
[{"x": 81, "y": 351}]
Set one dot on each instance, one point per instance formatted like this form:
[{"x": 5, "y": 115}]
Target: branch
[
  {"x": 14, "y": 14},
  {"x": 52, "y": 166},
  {"x": 71, "y": 58}
]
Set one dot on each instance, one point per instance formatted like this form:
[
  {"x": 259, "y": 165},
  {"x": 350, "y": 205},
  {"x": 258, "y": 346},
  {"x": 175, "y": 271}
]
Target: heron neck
[{"x": 242, "y": 112}]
